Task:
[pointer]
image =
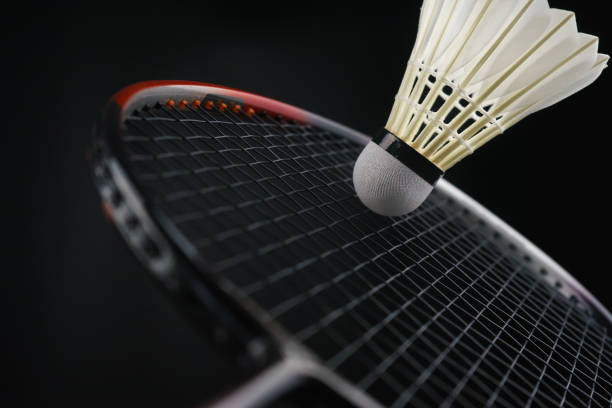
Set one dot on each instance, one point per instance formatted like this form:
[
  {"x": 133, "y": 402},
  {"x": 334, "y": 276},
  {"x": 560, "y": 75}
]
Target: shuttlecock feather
[{"x": 477, "y": 68}]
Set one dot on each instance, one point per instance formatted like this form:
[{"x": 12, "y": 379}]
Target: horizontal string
[{"x": 431, "y": 116}]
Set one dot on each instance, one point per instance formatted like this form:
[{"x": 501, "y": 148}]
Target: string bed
[{"x": 431, "y": 308}]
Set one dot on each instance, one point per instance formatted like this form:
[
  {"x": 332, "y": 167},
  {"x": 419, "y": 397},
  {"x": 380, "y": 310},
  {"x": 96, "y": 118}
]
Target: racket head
[{"x": 264, "y": 345}]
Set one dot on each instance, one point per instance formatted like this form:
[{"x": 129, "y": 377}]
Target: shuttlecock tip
[{"x": 387, "y": 186}]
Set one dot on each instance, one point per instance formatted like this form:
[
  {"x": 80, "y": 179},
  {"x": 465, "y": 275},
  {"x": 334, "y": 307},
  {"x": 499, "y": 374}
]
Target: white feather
[{"x": 480, "y": 66}]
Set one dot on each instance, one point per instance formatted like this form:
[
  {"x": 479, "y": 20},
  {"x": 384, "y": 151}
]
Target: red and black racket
[{"x": 244, "y": 208}]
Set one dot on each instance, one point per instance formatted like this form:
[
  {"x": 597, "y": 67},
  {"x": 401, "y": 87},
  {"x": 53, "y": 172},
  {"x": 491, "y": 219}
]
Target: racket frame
[{"x": 272, "y": 359}]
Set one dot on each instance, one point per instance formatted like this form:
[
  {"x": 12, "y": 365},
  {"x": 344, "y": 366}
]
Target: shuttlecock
[{"x": 477, "y": 68}]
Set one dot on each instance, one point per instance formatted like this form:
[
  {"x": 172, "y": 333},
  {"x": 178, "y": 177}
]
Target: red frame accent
[{"x": 258, "y": 102}]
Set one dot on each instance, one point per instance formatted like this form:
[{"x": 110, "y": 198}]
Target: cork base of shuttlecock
[{"x": 387, "y": 186}]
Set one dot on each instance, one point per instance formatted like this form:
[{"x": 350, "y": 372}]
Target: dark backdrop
[{"x": 86, "y": 326}]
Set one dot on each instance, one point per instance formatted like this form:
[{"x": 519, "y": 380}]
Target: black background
[{"x": 86, "y": 326}]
